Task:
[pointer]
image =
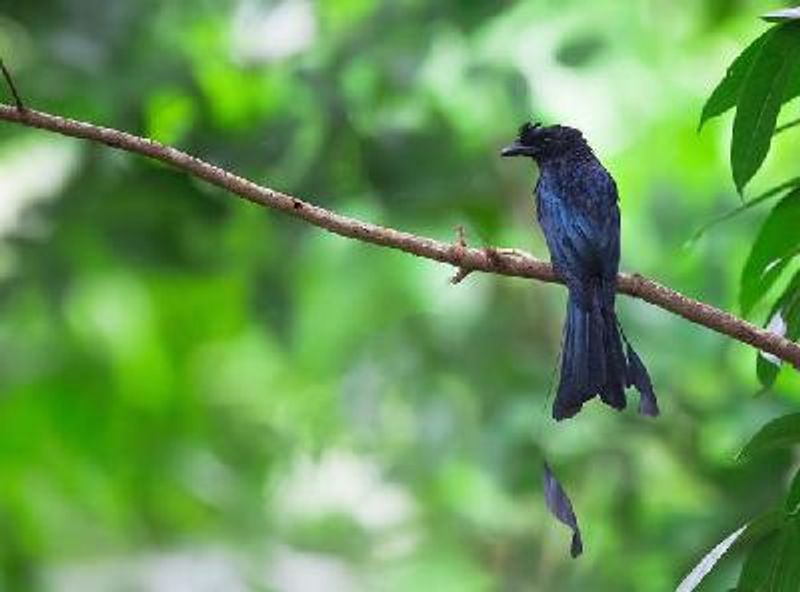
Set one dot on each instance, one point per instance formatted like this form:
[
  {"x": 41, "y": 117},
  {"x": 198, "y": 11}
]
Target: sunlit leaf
[
  {"x": 761, "y": 96},
  {"x": 779, "y": 433},
  {"x": 777, "y": 242},
  {"x": 778, "y": 16},
  {"x": 560, "y": 506},
  {"x": 750, "y": 534},
  {"x": 702, "y": 569},
  {"x": 776, "y": 325}
]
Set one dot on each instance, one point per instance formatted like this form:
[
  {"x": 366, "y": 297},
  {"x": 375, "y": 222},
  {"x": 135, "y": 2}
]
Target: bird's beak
[{"x": 516, "y": 149}]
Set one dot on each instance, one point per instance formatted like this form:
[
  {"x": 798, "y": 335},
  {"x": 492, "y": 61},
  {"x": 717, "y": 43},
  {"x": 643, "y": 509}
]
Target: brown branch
[{"x": 507, "y": 262}]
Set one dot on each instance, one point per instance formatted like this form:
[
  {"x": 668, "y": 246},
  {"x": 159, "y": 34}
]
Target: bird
[{"x": 577, "y": 209}]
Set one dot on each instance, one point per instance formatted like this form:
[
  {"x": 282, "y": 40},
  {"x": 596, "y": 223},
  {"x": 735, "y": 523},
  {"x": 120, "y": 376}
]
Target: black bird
[{"x": 576, "y": 202}]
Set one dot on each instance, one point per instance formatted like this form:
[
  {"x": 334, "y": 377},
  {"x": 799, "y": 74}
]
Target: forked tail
[{"x": 594, "y": 362}]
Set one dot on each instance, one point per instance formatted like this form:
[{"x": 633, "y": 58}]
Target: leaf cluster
[{"x": 758, "y": 84}]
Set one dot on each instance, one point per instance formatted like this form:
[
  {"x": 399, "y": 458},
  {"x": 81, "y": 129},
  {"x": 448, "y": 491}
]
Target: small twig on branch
[
  {"x": 12, "y": 87},
  {"x": 507, "y": 262},
  {"x": 458, "y": 250},
  {"x": 460, "y": 275}
]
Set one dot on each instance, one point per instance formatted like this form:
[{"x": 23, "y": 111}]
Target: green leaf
[
  {"x": 786, "y": 577},
  {"x": 769, "y": 365},
  {"x": 753, "y": 533},
  {"x": 766, "y": 371},
  {"x": 778, "y": 16},
  {"x": 794, "y": 87},
  {"x": 702, "y": 569},
  {"x": 759, "y": 564},
  {"x": 777, "y": 242},
  {"x": 773, "y": 564},
  {"x": 726, "y": 94},
  {"x": 793, "y": 499},
  {"x": 779, "y": 433},
  {"x": 760, "y": 527},
  {"x": 761, "y": 96},
  {"x": 786, "y": 312}
]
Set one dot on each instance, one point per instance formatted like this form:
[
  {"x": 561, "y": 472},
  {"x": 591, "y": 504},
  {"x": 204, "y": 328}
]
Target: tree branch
[{"x": 507, "y": 262}]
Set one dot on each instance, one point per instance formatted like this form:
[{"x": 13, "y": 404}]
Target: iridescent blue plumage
[{"x": 577, "y": 209}]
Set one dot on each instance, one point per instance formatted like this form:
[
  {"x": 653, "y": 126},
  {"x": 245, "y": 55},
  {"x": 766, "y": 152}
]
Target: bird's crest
[{"x": 526, "y": 131}]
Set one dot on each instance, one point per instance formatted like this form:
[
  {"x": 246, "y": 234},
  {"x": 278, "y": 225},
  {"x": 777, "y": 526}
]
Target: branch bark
[{"x": 509, "y": 262}]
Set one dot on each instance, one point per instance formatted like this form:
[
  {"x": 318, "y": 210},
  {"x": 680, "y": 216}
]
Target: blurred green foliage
[{"x": 185, "y": 375}]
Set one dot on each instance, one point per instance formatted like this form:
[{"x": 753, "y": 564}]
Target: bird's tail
[
  {"x": 594, "y": 361},
  {"x": 639, "y": 378}
]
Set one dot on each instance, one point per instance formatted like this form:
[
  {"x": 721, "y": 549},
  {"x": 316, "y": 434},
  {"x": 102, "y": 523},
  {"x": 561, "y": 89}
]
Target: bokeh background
[{"x": 198, "y": 394}]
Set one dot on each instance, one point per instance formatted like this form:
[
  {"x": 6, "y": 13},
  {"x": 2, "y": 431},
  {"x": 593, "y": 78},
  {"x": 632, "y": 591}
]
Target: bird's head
[{"x": 545, "y": 142}]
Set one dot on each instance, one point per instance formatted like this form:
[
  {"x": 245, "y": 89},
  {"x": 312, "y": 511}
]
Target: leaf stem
[
  {"x": 769, "y": 194},
  {"x": 786, "y": 126}
]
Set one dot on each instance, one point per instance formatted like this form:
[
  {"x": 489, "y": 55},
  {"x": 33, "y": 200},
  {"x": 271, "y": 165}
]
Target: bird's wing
[
  {"x": 598, "y": 218},
  {"x": 581, "y": 225}
]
